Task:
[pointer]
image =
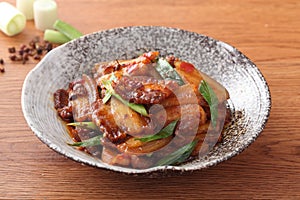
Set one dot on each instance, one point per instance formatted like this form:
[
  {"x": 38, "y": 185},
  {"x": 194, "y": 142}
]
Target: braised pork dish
[{"x": 145, "y": 112}]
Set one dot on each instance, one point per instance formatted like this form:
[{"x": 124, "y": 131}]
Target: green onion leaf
[
  {"x": 94, "y": 141},
  {"x": 88, "y": 125},
  {"x": 67, "y": 29},
  {"x": 164, "y": 133},
  {"x": 211, "y": 98},
  {"x": 167, "y": 72},
  {"x": 136, "y": 107},
  {"x": 178, "y": 156}
]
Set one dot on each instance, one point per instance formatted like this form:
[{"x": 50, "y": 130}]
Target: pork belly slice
[
  {"x": 104, "y": 119},
  {"x": 144, "y": 90},
  {"x": 83, "y": 93},
  {"x": 105, "y": 68},
  {"x": 117, "y": 121}
]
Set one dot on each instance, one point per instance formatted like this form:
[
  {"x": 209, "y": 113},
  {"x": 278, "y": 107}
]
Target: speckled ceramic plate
[{"x": 250, "y": 98}]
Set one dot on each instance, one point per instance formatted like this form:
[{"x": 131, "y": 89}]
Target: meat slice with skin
[
  {"x": 144, "y": 90},
  {"x": 185, "y": 94},
  {"x": 142, "y": 69},
  {"x": 104, "y": 119},
  {"x": 193, "y": 76},
  {"x": 109, "y": 67},
  {"x": 117, "y": 121},
  {"x": 128, "y": 120},
  {"x": 61, "y": 104},
  {"x": 133, "y": 146},
  {"x": 83, "y": 93},
  {"x": 61, "y": 98}
]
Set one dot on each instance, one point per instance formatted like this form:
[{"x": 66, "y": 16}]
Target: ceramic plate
[{"x": 250, "y": 101}]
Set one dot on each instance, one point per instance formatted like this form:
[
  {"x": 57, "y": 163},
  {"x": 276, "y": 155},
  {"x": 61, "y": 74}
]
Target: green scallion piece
[
  {"x": 164, "y": 133},
  {"x": 167, "y": 72},
  {"x": 94, "y": 141},
  {"x": 110, "y": 91},
  {"x": 178, "y": 156},
  {"x": 211, "y": 98},
  {"x": 67, "y": 29},
  {"x": 55, "y": 37}
]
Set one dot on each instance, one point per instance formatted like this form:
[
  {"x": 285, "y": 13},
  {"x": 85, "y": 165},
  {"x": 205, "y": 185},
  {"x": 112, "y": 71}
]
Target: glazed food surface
[{"x": 144, "y": 112}]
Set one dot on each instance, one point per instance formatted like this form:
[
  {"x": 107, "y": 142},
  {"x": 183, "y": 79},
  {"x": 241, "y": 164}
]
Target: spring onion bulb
[
  {"x": 55, "y": 37},
  {"x": 12, "y": 21},
  {"x": 26, "y": 7},
  {"x": 45, "y": 14}
]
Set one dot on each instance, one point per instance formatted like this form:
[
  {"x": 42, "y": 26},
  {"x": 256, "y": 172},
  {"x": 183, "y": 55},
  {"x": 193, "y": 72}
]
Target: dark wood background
[{"x": 268, "y": 32}]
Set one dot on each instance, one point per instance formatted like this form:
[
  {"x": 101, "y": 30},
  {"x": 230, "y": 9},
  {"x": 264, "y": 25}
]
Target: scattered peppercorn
[
  {"x": 12, "y": 50},
  {"x": 48, "y": 47},
  {"x": 13, "y": 57},
  {"x": 35, "y": 49},
  {"x": 37, "y": 57},
  {"x": 39, "y": 50},
  {"x": 2, "y": 70}
]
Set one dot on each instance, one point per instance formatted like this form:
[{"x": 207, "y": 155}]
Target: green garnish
[
  {"x": 67, "y": 29},
  {"x": 106, "y": 97},
  {"x": 88, "y": 125},
  {"x": 167, "y": 72},
  {"x": 211, "y": 98},
  {"x": 108, "y": 91},
  {"x": 94, "y": 141},
  {"x": 111, "y": 92},
  {"x": 178, "y": 156},
  {"x": 164, "y": 133},
  {"x": 55, "y": 37}
]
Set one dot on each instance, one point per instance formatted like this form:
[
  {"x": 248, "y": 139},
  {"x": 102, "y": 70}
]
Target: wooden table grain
[{"x": 267, "y": 31}]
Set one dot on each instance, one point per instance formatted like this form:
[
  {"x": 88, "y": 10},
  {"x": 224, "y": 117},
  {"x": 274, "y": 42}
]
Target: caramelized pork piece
[
  {"x": 136, "y": 147},
  {"x": 193, "y": 76},
  {"x": 61, "y": 104},
  {"x": 66, "y": 114},
  {"x": 107, "y": 68},
  {"x": 114, "y": 157},
  {"x": 129, "y": 121},
  {"x": 83, "y": 93},
  {"x": 104, "y": 119},
  {"x": 85, "y": 134},
  {"x": 144, "y": 90},
  {"x": 61, "y": 98},
  {"x": 141, "y": 69},
  {"x": 117, "y": 121},
  {"x": 185, "y": 94}
]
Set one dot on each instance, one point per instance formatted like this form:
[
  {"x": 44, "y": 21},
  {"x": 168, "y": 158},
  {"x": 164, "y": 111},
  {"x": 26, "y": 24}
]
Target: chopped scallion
[
  {"x": 178, "y": 156},
  {"x": 55, "y": 37},
  {"x": 88, "y": 143},
  {"x": 67, "y": 29},
  {"x": 211, "y": 98},
  {"x": 164, "y": 133},
  {"x": 110, "y": 91},
  {"x": 167, "y": 72}
]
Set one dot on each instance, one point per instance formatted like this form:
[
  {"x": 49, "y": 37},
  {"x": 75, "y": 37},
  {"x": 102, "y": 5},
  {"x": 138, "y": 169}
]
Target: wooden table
[{"x": 267, "y": 31}]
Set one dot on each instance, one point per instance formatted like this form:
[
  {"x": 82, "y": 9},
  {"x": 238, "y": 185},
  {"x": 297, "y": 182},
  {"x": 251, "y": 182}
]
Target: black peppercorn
[
  {"x": 2, "y": 70},
  {"x": 12, "y": 50}
]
